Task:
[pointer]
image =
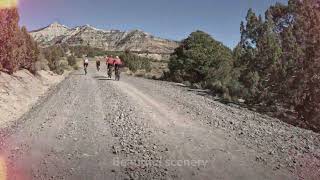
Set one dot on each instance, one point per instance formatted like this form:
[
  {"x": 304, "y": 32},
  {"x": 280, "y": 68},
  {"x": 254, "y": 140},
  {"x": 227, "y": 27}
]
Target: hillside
[
  {"x": 21, "y": 91},
  {"x": 111, "y": 40}
]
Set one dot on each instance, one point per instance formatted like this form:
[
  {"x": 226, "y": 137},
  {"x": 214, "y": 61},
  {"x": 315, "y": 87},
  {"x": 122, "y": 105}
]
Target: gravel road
[{"x": 91, "y": 127}]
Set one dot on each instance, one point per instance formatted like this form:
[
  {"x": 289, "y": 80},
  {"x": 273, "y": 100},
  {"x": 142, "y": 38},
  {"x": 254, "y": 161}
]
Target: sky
[{"x": 170, "y": 19}]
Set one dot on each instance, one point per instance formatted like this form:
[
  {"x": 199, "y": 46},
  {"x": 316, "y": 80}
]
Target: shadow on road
[
  {"x": 98, "y": 77},
  {"x": 104, "y": 79},
  {"x": 209, "y": 93},
  {"x": 202, "y": 92},
  {"x": 77, "y": 74}
]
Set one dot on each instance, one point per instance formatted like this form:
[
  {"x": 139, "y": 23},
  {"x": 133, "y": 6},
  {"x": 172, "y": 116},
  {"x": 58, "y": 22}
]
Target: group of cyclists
[{"x": 111, "y": 62}]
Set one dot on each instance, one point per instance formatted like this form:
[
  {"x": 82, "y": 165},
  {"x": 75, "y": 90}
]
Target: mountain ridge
[{"x": 111, "y": 40}]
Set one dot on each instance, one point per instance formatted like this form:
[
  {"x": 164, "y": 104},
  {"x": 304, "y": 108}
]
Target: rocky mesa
[{"x": 111, "y": 40}]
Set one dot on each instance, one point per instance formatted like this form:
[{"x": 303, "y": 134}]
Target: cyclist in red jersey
[
  {"x": 117, "y": 63},
  {"x": 110, "y": 64}
]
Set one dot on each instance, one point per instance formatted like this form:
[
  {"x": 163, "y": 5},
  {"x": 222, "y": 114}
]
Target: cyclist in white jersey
[{"x": 85, "y": 64}]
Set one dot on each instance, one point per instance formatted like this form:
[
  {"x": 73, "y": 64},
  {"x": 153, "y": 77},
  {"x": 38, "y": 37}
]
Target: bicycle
[
  {"x": 117, "y": 74},
  {"x": 98, "y": 65},
  {"x": 110, "y": 72},
  {"x": 85, "y": 68}
]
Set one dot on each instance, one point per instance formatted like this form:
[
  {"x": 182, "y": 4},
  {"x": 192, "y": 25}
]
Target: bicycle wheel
[
  {"x": 117, "y": 75},
  {"x": 110, "y": 73}
]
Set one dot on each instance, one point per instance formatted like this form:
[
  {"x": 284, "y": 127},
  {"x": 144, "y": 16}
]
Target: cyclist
[
  {"x": 110, "y": 62},
  {"x": 117, "y": 63},
  {"x": 85, "y": 64},
  {"x": 98, "y": 64}
]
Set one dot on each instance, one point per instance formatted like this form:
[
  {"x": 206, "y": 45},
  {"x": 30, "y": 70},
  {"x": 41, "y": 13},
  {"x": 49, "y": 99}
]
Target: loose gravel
[{"x": 91, "y": 127}]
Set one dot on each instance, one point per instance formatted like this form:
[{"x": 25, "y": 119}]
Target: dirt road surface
[{"x": 91, "y": 127}]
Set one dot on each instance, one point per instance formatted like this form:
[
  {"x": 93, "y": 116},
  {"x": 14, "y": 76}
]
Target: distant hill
[{"x": 111, "y": 40}]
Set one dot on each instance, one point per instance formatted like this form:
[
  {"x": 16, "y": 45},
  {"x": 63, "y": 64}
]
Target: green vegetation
[
  {"x": 80, "y": 51},
  {"x": 57, "y": 59},
  {"x": 204, "y": 61},
  {"x": 275, "y": 65},
  {"x": 54, "y": 55},
  {"x": 20, "y": 51},
  {"x": 72, "y": 61},
  {"x": 279, "y": 59},
  {"x": 17, "y": 48},
  {"x": 135, "y": 62}
]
